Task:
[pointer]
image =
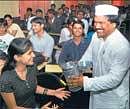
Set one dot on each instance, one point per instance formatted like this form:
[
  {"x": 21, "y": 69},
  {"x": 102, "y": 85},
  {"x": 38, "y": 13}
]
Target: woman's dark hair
[
  {"x": 113, "y": 19},
  {"x": 3, "y": 55},
  {"x": 8, "y": 15},
  {"x": 79, "y": 22},
  {"x": 18, "y": 46},
  {"x": 69, "y": 21}
]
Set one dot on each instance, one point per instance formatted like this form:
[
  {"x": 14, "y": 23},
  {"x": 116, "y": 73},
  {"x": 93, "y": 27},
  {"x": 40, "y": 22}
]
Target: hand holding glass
[{"x": 70, "y": 71}]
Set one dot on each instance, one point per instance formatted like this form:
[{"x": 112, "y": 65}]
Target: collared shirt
[
  {"x": 43, "y": 44},
  {"x": 111, "y": 62},
  {"x": 73, "y": 52}
]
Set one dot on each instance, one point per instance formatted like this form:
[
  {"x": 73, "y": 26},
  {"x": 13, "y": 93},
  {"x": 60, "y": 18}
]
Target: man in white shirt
[
  {"x": 41, "y": 40},
  {"x": 109, "y": 51}
]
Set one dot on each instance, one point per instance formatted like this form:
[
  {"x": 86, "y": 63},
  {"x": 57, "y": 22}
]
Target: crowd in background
[{"x": 58, "y": 35}]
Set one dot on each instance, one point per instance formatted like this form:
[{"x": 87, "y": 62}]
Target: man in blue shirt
[{"x": 73, "y": 49}]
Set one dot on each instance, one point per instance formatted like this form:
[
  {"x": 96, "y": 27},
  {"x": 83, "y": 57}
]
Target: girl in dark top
[
  {"x": 22, "y": 77},
  {"x": 3, "y": 60}
]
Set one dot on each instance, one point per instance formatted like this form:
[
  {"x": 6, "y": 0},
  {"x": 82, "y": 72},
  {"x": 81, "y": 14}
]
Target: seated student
[
  {"x": 74, "y": 48},
  {"x": 65, "y": 35},
  {"x": 5, "y": 38},
  {"x": 22, "y": 78},
  {"x": 28, "y": 14},
  {"x": 3, "y": 60},
  {"x": 13, "y": 28},
  {"x": 42, "y": 42}
]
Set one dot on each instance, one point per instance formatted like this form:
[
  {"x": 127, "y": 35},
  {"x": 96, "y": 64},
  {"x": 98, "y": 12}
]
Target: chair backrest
[{"x": 49, "y": 80}]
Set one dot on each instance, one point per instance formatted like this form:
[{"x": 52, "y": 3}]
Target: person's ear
[
  {"x": 16, "y": 57},
  {"x": 114, "y": 25},
  {"x": 42, "y": 25}
]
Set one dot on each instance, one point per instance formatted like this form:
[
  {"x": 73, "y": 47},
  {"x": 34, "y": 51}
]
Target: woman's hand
[
  {"x": 61, "y": 93},
  {"x": 47, "y": 106}
]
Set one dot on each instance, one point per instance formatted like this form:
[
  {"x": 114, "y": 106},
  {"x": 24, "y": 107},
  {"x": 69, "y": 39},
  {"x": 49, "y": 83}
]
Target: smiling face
[
  {"x": 103, "y": 27},
  {"x": 26, "y": 58},
  {"x": 77, "y": 30},
  {"x": 37, "y": 27},
  {"x": 80, "y": 15},
  {"x": 9, "y": 21}
]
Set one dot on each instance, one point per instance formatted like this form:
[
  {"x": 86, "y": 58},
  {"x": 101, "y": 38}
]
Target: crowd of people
[{"x": 81, "y": 33}]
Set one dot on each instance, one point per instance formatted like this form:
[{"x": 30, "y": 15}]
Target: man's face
[
  {"x": 103, "y": 27},
  {"x": 26, "y": 58},
  {"x": 37, "y": 27},
  {"x": 50, "y": 15},
  {"x": 39, "y": 14},
  {"x": 80, "y": 15},
  {"x": 77, "y": 30}
]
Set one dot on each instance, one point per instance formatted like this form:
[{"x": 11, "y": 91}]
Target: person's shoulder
[
  {"x": 68, "y": 43},
  {"x": 8, "y": 74},
  {"x": 118, "y": 39},
  {"x": 85, "y": 21},
  {"x": 15, "y": 25},
  {"x": 64, "y": 29},
  {"x": 30, "y": 18},
  {"x": 48, "y": 36},
  {"x": 9, "y": 36}
]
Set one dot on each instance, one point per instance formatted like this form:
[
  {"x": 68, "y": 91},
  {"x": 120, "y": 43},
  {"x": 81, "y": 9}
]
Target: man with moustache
[{"x": 109, "y": 51}]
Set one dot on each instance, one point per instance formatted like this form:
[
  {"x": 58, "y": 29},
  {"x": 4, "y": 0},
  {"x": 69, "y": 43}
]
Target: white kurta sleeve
[{"x": 120, "y": 63}]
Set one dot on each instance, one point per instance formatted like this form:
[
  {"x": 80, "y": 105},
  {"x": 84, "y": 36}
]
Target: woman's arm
[
  {"x": 10, "y": 100},
  {"x": 59, "y": 93}
]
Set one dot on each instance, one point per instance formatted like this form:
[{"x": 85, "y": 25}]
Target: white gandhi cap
[{"x": 105, "y": 9}]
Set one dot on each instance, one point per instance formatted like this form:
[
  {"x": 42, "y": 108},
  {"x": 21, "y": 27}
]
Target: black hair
[
  {"x": 51, "y": 11},
  {"x": 39, "y": 10},
  {"x": 29, "y": 9},
  {"x": 8, "y": 15},
  {"x": 3, "y": 55},
  {"x": 69, "y": 21},
  {"x": 63, "y": 5},
  {"x": 18, "y": 46},
  {"x": 79, "y": 22},
  {"x": 38, "y": 20},
  {"x": 113, "y": 19},
  {"x": 81, "y": 11},
  {"x": 3, "y": 22},
  {"x": 53, "y": 4}
]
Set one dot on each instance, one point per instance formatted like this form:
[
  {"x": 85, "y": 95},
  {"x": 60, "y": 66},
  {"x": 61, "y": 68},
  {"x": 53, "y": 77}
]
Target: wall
[
  {"x": 18, "y": 8},
  {"x": 9, "y": 7},
  {"x": 23, "y": 5}
]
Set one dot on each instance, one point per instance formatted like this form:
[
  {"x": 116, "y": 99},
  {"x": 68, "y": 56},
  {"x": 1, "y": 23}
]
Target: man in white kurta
[{"x": 110, "y": 53}]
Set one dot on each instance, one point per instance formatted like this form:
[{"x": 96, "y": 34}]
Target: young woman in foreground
[{"x": 22, "y": 77}]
